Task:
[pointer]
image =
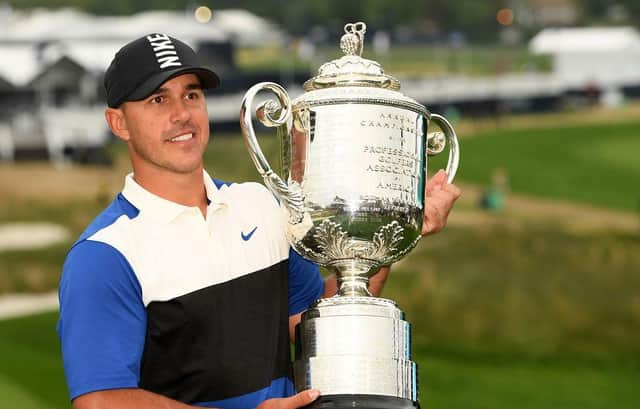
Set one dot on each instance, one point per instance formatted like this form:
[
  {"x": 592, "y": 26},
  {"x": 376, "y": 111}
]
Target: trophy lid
[{"x": 351, "y": 69}]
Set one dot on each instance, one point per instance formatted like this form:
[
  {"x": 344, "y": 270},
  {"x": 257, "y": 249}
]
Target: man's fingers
[
  {"x": 440, "y": 176},
  {"x": 433, "y": 220},
  {"x": 439, "y": 205},
  {"x": 438, "y": 179},
  {"x": 302, "y": 399},
  {"x": 305, "y": 397},
  {"x": 454, "y": 190},
  {"x": 293, "y": 402}
]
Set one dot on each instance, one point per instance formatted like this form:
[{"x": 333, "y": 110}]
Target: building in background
[
  {"x": 604, "y": 56},
  {"x": 601, "y": 60},
  {"x": 51, "y": 94}
]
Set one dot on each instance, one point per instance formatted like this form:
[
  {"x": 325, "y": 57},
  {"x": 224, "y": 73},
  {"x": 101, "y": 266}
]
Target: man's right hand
[{"x": 293, "y": 402}]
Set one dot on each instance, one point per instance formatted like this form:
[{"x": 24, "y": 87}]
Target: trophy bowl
[{"x": 354, "y": 167}]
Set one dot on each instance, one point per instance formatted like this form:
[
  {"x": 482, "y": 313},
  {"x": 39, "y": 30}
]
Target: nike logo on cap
[
  {"x": 165, "y": 51},
  {"x": 247, "y": 236}
]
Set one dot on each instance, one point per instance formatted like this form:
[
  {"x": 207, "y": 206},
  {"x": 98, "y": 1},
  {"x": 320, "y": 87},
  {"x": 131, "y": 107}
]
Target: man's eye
[
  {"x": 193, "y": 95},
  {"x": 156, "y": 100}
]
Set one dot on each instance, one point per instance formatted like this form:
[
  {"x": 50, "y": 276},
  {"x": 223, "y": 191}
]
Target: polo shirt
[{"x": 155, "y": 295}]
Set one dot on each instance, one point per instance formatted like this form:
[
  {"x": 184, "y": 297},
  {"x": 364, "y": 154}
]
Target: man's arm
[
  {"x": 126, "y": 399},
  {"x": 141, "y": 399}
]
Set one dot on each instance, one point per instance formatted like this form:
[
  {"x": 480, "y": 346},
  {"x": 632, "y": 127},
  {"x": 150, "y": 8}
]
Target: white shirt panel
[{"x": 185, "y": 252}]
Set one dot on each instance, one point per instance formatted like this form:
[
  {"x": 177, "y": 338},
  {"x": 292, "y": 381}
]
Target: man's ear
[{"x": 117, "y": 123}]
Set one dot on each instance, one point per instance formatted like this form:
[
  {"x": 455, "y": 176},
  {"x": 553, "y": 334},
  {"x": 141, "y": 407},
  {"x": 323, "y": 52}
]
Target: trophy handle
[
  {"x": 436, "y": 144},
  {"x": 271, "y": 114}
]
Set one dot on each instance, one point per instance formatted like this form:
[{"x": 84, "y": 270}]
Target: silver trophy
[{"x": 354, "y": 166}]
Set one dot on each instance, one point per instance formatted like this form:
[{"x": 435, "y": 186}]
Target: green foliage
[{"x": 474, "y": 18}]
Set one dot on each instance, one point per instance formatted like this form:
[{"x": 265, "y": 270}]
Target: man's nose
[{"x": 180, "y": 111}]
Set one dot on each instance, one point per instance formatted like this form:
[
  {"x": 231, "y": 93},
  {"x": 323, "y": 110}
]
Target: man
[{"x": 184, "y": 290}]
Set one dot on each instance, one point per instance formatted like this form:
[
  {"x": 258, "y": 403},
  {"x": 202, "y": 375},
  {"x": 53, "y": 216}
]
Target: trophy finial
[
  {"x": 351, "y": 69},
  {"x": 352, "y": 41}
]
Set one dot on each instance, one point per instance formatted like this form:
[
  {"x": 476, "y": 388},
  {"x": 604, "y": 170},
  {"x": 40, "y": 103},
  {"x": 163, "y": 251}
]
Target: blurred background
[{"x": 530, "y": 298}]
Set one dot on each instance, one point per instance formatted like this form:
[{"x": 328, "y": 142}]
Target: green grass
[
  {"x": 227, "y": 158},
  {"x": 38, "y": 270},
  {"x": 452, "y": 384},
  {"x": 19, "y": 397},
  {"x": 533, "y": 292},
  {"x": 596, "y": 164},
  {"x": 30, "y": 366},
  {"x": 418, "y": 60},
  {"x": 404, "y": 60},
  {"x": 32, "y": 270}
]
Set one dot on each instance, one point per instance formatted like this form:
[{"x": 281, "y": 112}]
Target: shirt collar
[{"x": 165, "y": 210}]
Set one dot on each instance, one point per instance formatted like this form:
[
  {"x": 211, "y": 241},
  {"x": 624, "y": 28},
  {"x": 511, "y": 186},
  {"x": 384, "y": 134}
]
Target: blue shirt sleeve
[
  {"x": 305, "y": 283},
  {"x": 102, "y": 321}
]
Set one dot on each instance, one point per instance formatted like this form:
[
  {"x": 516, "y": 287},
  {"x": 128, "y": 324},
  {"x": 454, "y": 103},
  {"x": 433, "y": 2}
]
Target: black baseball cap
[{"x": 141, "y": 66}]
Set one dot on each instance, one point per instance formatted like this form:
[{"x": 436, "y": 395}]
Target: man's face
[{"x": 169, "y": 130}]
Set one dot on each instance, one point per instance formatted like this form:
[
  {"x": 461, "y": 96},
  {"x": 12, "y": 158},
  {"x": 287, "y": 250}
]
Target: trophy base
[
  {"x": 357, "y": 352},
  {"x": 363, "y": 402}
]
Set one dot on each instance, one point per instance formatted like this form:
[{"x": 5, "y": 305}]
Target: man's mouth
[{"x": 182, "y": 138}]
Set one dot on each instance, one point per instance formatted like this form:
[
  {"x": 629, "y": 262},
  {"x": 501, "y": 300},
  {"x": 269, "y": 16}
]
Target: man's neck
[{"x": 186, "y": 189}]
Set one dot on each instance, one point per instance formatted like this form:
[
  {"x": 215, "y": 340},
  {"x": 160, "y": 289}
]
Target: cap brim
[{"x": 208, "y": 79}]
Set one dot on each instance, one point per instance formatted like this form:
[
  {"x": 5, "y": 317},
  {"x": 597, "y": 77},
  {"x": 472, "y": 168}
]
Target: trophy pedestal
[{"x": 357, "y": 352}]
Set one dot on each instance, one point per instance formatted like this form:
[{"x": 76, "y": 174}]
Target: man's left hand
[{"x": 440, "y": 197}]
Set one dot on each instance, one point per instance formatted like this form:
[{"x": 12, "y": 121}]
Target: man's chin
[
  {"x": 181, "y": 168},
  {"x": 187, "y": 170}
]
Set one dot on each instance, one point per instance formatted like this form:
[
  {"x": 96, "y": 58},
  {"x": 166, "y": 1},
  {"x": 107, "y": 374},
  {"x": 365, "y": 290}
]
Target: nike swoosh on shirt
[{"x": 247, "y": 236}]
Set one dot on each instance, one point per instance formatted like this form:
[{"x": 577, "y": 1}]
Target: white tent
[
  {"x": 606, "y": 57},
  {"x": 19, "y": 63},
  {"x": 240, "y": 26},
  {"x": 246, "y": 28},
  {"x": 69, "y": 24},
  {"x": 32, "y": 40}
]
